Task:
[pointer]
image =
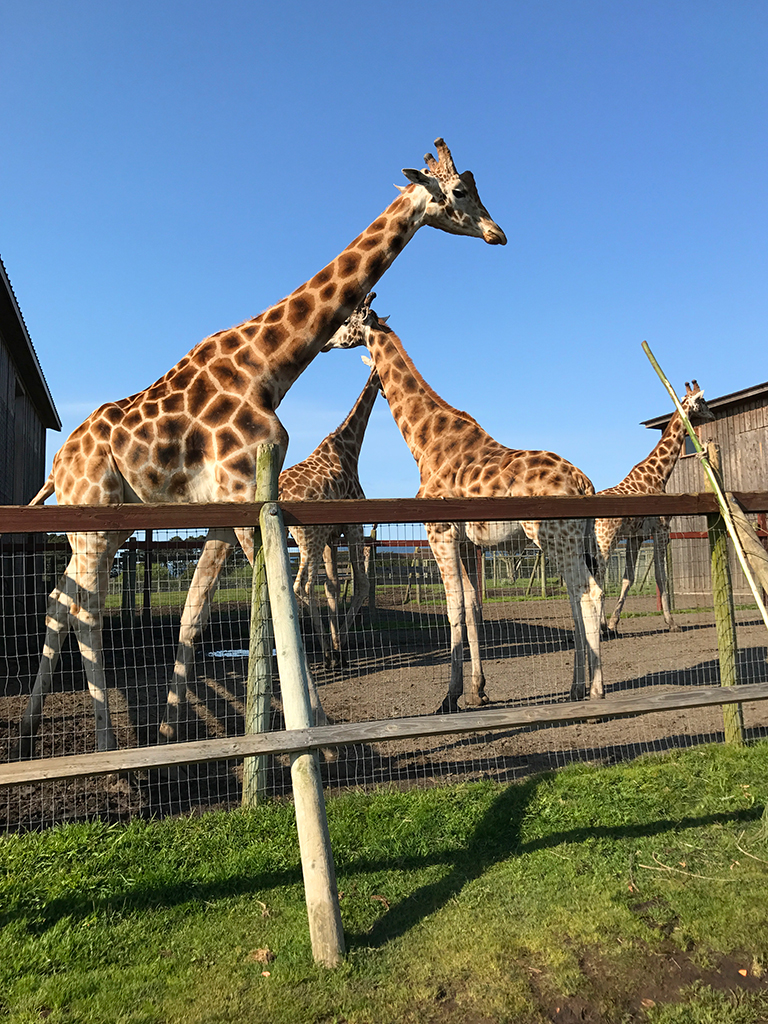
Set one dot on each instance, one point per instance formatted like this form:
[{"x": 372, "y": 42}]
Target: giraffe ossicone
[
  {"x": 193, "y": 435},
  {"x": 457, "y": 458}
]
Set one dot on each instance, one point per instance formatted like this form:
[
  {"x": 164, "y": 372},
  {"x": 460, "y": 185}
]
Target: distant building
[
  {"x": 740, "y": 428},
  {"x": 26, "y": 405}
]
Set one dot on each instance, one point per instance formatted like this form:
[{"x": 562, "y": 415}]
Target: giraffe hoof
[
  {"x": 449, "y": 706},
  {"x": 609, "y": 633},
  {"x": 578, "y": 692},
  {"x": 674, "y": 628}
]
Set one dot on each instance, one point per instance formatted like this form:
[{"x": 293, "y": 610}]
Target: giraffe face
[
  {"x": 696, "y": 409},
  {"x": 356, "y": 329},
  {"x": 454, "y": 204}
]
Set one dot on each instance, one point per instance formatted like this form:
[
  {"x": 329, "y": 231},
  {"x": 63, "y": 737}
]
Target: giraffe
[
  {"x": 648, "y": 477},
  {"x": 457, "y": 458},
  {"x": 330, "y": 473},
  {"x": 193, "y": 435}
]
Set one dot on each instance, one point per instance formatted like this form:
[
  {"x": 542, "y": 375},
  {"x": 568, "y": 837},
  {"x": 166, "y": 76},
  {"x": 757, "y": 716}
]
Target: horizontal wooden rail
[
  {"x": 299, "y": 740},
  {"x": 61, "y": 518}
]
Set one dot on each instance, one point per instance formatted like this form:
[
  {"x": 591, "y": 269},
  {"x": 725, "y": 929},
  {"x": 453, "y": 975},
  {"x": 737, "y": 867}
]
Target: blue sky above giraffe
[{"x": 170, "y": 170}]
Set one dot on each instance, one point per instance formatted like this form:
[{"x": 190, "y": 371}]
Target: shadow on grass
[{"x": 496, "y": 838}]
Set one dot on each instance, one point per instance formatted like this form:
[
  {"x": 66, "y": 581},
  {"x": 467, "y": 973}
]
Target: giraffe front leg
[
  {"x": 332, "y": 650},
  {"x": 633, "y": 546},
  {"x": 57, "y": 624},
  {"x": 476, "y": 696},
  {"x": 194, "y": 618},
  {"x": 660, "y": 537},
  {"x": 445, "y": 548}
]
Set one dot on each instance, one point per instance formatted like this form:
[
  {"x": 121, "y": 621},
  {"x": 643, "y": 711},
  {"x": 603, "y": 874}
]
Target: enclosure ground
[{"x": 397, "y": 666}]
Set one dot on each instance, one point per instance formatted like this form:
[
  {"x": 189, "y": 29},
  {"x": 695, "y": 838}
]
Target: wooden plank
[
  {"x": 284, "y": 742},
  {"x": 59, "y": 519}
]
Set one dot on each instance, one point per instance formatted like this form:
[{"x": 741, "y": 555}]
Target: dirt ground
[{"x": 397, "y": 665}]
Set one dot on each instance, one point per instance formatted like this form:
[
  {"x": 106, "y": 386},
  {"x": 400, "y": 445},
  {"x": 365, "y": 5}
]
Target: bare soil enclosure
[{"x": 397, "y": 666}]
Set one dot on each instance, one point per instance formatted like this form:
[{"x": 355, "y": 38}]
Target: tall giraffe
[
  {"x": 330, "y": 473},
  {"x": 458, "y": 459},
  {"x": 193, "y": 435},
  {"x": 648, "y": 477}
]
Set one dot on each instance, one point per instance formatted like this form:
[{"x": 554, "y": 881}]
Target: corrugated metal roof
[{"x": 16, "y": 336}]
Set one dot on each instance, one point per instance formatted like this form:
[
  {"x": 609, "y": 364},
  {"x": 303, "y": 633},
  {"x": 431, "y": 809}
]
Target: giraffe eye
[{"x": 459, "y": 193}]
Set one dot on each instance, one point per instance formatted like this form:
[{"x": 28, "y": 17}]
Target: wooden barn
[
  {"x": 740, "y": 428},
  {"x": 26, "y": 412},
  {"x": 26, "y": 405}
]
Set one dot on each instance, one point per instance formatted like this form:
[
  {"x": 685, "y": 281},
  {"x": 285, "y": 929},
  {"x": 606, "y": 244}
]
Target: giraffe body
[
  {"x": 457, "y": 458},
  {"x": 330, "y": 473},
  {"x": 193, "y": 435},
  {"x": 648, "y": 477}
]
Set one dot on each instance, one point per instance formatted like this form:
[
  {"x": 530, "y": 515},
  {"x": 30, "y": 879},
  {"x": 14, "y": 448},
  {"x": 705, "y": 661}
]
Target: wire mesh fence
[{"x": 396, "y": 663}]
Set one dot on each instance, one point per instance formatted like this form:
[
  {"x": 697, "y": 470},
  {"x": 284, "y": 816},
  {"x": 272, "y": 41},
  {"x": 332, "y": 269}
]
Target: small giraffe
[
  {"x": 330, "y": 473},
  {"x": 648, "y": 477},
  {"x": 194, "y": 434},
  {"x": 458, "y": 459}
]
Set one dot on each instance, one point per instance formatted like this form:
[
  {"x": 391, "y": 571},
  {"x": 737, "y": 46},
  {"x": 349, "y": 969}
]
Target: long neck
[
  {"x": 290, "y": 334},
  {"x": 653, "y": 472},
  {"x": 423, "y": 417},
  {"x": 351, "y": 432}
]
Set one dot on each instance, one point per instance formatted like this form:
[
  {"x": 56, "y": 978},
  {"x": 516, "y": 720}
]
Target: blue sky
[{"x": 172, "y": 169}]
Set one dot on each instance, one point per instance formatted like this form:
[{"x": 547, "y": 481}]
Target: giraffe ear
[
  {"x": 429, "y": 181},
  {"x": 367, "y": 360}
]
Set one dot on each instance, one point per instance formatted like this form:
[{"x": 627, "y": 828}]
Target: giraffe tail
[{"x": 45, "y": 491}]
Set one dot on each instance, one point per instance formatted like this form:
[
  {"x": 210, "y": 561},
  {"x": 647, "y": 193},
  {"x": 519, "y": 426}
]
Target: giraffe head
[
  {"x": 454, "y": 204},
  {"x": 355, "y": 329},
  {"x": 696, "y": 409}
]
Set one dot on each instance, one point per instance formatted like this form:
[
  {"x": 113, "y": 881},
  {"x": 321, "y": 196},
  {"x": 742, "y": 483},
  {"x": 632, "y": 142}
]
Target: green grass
[{"x": 462, "y": 905}]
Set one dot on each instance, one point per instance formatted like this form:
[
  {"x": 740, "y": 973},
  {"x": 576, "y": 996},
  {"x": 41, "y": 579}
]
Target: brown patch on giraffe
[
  {"x": 226, "y": 442},
  {"x": 150, "y": 410},
  {"x": 249, "y": 331},
  {"x": 327, "y": 293},
  {"x": 300, "y": 309},
  {"x": 219, "y": 410},
  {"x": 348, "y": 263},
  {"x": 242, "y": 466},
  {"x": 120, "y": 439},
  {"x": 101, "y": 430},
  {"x": 250, "y": 425},
  {"x": 368, "y": 241},
  {"x": 321, "y": 277},
  {"x": 272, "y": 338},
  {"x": 227, "y": 375},
  {"x": 181, "y": 380},
  {"x": 178, "y": 484},
  {"x": 196, "y": 446},
  {"x": 276, "y": 313},
  {"x": 171, "y": 404},
  {"x": 375, "y": 265},
  {"x": 167, "y": 455},
  {"x": 229, "y": 341},
  {"x": 198, "y": 395},
  {"x": 248, "y": 361}
]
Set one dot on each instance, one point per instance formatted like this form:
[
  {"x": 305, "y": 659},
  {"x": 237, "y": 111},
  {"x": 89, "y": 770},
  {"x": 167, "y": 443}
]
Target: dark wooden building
[
  {"x": 26, "y": 412},
  {"x": 740, "y": 428},
  {"x": 26, "y": 405}
]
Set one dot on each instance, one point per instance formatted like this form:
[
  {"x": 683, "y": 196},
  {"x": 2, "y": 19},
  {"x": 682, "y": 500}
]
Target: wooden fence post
[
  {"x": 725, "y": 616},
  {"x": 314, "y": 839},
  {"x": 258, "y": 699}
]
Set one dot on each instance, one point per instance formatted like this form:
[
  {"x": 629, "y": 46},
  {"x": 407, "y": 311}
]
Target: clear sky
[{"x": 170, "y": 169}]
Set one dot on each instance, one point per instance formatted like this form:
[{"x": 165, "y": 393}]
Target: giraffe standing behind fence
[
  {"x": 194, "y": 434},
  {"x": 648, "y": 477},
  {"x": 330, "y": 473},
  {"x": 458, "y": 459}
]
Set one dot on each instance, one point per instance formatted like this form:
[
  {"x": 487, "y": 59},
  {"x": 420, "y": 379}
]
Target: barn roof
[
  {"x": 734, "y": 398},
  {"x": 18, "y": 342}
]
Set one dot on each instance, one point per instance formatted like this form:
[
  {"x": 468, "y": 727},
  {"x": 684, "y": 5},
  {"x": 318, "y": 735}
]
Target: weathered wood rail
[
  {"x": 61, "y": 518},
  {"x": 293, "y": 741}
]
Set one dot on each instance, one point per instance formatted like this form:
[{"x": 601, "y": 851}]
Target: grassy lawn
[{"x": 634, "y": 893}]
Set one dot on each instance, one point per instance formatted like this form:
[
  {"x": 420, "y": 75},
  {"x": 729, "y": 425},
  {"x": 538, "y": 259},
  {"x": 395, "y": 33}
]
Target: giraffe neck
[
  {"x": 653, "y": 472},
  {"x": 422, "y": 416},
  {"x": 290, "y": 334},
  {"x": 348, "y": 437}
]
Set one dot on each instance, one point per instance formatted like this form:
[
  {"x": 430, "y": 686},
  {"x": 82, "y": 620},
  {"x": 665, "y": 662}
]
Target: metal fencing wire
[{"x": 396, "y": 663}]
